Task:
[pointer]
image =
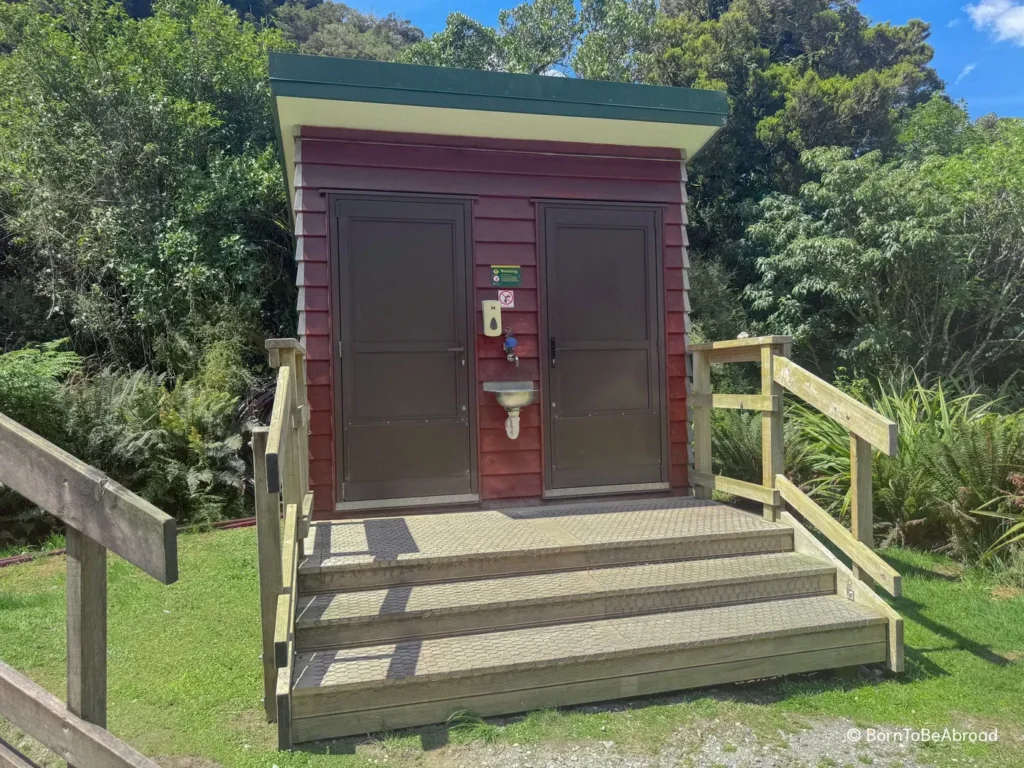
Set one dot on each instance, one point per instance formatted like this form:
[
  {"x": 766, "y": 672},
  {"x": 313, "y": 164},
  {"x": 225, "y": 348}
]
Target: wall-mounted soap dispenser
[{"x": 492, "y": 317}]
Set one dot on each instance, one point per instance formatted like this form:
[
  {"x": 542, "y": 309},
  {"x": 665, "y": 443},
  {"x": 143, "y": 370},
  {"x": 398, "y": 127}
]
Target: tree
[
  {"x": 335, "y": 29},
  {"x": 463, "y": 44},
  {"x": 800, "y": 74},
  {"x": 138, "y": 175},
  {"x": 879, "y": 265}
]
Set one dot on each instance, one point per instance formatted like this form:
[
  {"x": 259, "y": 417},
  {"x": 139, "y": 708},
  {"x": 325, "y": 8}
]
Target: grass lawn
[{"x": 185, "y": 672}]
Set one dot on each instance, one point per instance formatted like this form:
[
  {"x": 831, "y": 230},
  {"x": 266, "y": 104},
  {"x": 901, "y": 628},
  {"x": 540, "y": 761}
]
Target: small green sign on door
[{"x": 506, "y": 276}]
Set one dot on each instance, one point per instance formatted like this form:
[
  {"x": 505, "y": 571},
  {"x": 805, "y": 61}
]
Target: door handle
[
  {"x": 554, "y": 355},
  {"x": 461, "y": 351}
]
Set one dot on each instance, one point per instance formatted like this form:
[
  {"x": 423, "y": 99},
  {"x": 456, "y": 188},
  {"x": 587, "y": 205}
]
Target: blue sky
[{"x": 979, "y": 44}]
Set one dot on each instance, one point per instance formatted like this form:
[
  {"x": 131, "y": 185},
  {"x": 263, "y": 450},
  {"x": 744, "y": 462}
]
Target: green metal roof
[{"x": 354, "y": 80}]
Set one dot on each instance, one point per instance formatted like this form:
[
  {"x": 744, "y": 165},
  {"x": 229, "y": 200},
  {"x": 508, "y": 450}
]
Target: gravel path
[{"x": 707, "y": 744}]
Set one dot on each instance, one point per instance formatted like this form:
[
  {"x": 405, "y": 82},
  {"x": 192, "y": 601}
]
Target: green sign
[{"x": 506, "y": 276}]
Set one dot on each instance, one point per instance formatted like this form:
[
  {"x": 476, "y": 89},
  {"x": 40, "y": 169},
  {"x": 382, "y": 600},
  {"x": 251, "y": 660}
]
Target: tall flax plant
[{"x": 955, "y": 453}]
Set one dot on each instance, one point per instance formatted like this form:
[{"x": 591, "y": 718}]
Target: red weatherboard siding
[{"x": 504, "y": 178}]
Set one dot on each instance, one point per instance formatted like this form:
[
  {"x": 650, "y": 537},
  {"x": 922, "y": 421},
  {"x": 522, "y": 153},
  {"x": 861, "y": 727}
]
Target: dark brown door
[
  {"x": 405, "y": 365},
  {"x": 604, "y": 409}
]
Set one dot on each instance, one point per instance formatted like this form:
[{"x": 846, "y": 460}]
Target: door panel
[
  {"x": 402, "y": 321},
  {"x": 604, "y": 368}
]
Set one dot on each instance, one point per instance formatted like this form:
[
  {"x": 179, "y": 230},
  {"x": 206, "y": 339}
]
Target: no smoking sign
[{"x": 507, "y": 299}]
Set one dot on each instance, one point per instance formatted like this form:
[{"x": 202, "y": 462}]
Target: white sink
[{"x": 512, "y": 394}]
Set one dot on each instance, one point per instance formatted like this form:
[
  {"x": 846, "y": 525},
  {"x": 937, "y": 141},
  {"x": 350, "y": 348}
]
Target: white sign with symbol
[{"x": 507, "y": 299}]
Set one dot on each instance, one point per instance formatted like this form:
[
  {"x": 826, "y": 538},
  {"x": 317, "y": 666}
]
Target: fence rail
[
  {"x": 281, "y": 479},
  {"x": 100, "y": 515},
  {"x": 867, "y": 429},
  {"x": 44, "y": 717}
]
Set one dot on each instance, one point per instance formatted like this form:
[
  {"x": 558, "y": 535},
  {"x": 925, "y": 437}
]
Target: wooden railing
[
  {"x": 99, "y": 515},
  {"x": 281, "y": 482},
  {"x": 866, "y": 427}
]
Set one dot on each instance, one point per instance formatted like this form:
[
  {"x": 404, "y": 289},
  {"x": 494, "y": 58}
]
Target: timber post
[{"x": 100, "y": 515}]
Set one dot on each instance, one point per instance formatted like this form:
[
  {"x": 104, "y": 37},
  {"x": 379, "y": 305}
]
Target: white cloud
[
  {"x": 953, "y": 23},
  {"x": 1004, "y": 17},
  {"x": 965, "y": 72}
]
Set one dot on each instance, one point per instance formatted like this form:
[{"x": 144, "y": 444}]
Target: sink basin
[{"x": 512, "y": 394}]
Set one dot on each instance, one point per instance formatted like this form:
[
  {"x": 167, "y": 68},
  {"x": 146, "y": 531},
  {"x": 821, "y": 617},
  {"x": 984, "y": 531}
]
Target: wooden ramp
[{"x": 401, "y": 621}]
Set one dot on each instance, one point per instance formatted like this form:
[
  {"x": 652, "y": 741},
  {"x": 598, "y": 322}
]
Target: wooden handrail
[
  {"x": 100, "y": 515},
  {"x": 44, "y": 717},
  {"x": 854, "y": 416},
  {"x": 281, "y": 476},
  {"x": 88, "y": 501},
  {"x": 761, "y": 349},
  {"x": 859, "y": 553},
  {"x": 867, "y": 428}
]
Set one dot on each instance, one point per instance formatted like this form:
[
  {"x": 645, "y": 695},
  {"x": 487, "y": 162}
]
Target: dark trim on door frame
[
  {"x": 541, "y": 206},
  {"x": 335, "y": 293}
]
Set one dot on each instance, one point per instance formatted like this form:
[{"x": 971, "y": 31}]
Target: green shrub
[
  {"x": 175, "y": 444},
  {"x": 955, "y": 454},
  {"x": 31, "y": 386},
  {"x": 32, "y": 393}
]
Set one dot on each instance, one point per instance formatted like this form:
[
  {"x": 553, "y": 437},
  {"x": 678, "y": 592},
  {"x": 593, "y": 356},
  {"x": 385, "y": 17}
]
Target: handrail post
[
  {"x": 87, "y": 628},
  {"x": 861, "y": 506},
  {"x": 701, "y": 422},
  {"x": 773, "y": 451},
  {"x": 289, "y": 354},
  {"x": 268, "y": 544}
]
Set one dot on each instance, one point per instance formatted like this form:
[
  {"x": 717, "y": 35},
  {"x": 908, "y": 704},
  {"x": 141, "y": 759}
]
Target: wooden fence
[
  {"x": 99, "y": 515},
  {"x": 867, "y": 429},
  {"x": 281, "y": 477}
]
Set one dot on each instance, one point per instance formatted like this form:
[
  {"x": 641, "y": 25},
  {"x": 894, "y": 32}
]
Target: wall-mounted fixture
[
  {"x": 510, "y": 347},
  {"x": 512, "y": 396},
  {"x": 492, "y": 317}
]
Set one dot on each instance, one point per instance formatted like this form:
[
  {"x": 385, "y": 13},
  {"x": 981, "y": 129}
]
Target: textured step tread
[
  {"x": 346, "y": 608},
  {"x": 535, "y": 647},
  {"x": 383, "y": 542}
]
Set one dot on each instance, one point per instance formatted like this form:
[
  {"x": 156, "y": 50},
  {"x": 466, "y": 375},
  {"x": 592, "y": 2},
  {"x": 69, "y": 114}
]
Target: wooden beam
[
  {"x": 12, "y": 758},
  {"x": 735, "y": 402},
  {"x": 87, "y": 628},
  {"x": 301, "y": 416},
  {"x": 854, "y": 416},
  {"x": 742, "y": 488},
  {"x": 44, "y": 717},
  {"x": 773, "y": 452},
  {"x": 733, "y": 355},
  {"x": 284, "y": 707},
  {"x": 848, "y": 586},
  {"x": 294, "y": 344},
  {"x": 701, "y": 421},
  {"x": 281, "y": 351},
  {"x": 284, "y": 622},
  {"x": 756, "y": 341},
  {"x": 280, "y": 426},
  {"x": 858, "y": 552},
  {"x": 861, "y": 507},
  {"x": 268, "y": 544},
  {"x": 87, "y": 500}
]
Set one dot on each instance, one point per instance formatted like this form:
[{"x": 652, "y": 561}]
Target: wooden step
[
  {"x": 378, "y": 687},
  {"x": 415, "y": 549},
  {"x": 386, "y": 615}
]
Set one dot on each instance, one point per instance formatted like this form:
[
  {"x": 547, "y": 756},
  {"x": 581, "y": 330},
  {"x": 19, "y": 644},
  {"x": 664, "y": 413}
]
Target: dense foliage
[{"x": 848, "y": 202}]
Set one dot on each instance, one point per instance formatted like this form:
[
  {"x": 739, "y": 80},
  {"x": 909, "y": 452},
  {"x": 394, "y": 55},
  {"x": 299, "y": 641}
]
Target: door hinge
[{"x": 341, "y": 352}]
